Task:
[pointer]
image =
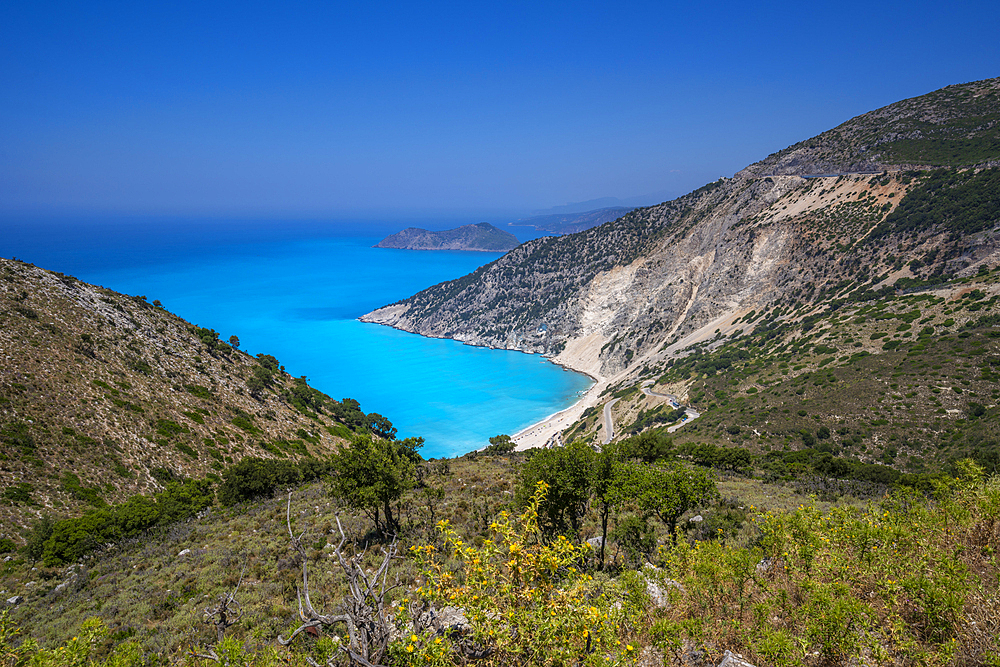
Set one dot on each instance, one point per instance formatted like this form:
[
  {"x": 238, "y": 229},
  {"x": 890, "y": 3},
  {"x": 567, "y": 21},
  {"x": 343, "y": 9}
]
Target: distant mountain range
[
  {"x": 480, "y": 237},
  {"x": 570, "y": 223},
  {"x": 612, "y": 202}
]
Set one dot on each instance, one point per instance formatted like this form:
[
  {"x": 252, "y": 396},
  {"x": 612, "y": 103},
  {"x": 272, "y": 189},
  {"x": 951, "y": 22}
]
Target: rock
[
  {"x": 764, "y": 566},
  {"x": 447, "y": 621},
  {"x": 184, "y": 553},
  {"x": 657, "y": 590},
  {"x": 734, "y": 660},
  {"x": 696, "y": 518},
  {"x": 14, "y": 601},
  {"x": 452, "y": 619},
  {"x": 693, "y": 655},
  {"x": 596, "y": 542}
]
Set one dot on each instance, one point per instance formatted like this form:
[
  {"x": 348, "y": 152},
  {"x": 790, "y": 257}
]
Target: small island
[{"x": 482, "y": 237}]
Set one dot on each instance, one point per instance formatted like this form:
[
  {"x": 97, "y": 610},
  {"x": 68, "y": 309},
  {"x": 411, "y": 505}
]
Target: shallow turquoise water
[{"x": 296, "y": 293}]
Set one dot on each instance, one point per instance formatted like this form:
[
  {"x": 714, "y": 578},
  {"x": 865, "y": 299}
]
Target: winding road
[{"x": 609, "y": 424}]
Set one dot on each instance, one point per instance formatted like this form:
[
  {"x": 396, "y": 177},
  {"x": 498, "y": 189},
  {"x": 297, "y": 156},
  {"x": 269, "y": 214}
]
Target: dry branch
[{"x": 369, "y": 625}]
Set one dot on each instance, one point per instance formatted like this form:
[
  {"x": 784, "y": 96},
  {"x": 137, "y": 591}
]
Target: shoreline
[{"x": 540, "y": 433}]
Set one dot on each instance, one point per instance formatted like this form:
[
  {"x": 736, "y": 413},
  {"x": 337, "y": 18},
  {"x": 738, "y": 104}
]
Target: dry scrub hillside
[{"x": 101, "y": 394}]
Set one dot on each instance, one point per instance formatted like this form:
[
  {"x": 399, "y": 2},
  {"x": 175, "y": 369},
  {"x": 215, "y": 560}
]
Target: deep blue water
[{"x": 294, "y": 290}]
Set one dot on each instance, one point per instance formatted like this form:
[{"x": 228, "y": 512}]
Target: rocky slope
[
  {"x": 612, "y": 298},
  {"x": 480, "y": 237},
  {"x": 102, "y": 394}
]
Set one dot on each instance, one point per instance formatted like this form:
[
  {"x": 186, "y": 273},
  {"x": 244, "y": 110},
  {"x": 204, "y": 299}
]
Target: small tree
[
  {"x": 372, "y": 474},
  {"x": 235, "y": 342},
  {"x": 602, "y": 473},
  {"x": 380, "y": 426},
  {"x": 649, "y": 446},
  {"x": 664, "y": 491},
  {"x": 500, "y": 444},
  {"x": 566, "y": 471}
]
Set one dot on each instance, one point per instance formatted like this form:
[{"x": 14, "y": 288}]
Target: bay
[{"x": 294, "y": 289}]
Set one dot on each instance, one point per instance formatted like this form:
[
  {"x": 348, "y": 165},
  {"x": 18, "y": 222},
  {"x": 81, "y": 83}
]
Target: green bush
[
  {"x": 18, "y": 493},
  {"x": 255, "y": 477},
  {"x": 71, "y": 539}
]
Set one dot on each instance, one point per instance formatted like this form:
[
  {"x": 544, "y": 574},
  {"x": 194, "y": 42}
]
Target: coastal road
[
  {"x": 649, "y": 392},
  {"x": 690, "y": 415},
  {"x": 609, "y": 424}
]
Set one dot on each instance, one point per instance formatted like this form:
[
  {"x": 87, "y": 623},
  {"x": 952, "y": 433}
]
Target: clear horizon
[{"x": 438, "y": 111}]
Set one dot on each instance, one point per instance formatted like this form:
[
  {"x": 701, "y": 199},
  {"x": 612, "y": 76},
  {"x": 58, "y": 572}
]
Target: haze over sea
[{"x": 294, "y": 289}]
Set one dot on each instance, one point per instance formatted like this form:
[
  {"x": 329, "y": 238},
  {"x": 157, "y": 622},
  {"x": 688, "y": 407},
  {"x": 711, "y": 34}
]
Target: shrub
[
  {"x": 70, "y": 539},
  {"x": 255, "y": 477},
  {"x": 525, "y": 600}
]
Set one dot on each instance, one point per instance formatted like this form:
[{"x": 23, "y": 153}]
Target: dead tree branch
[
  {"x": 369, "y": 625},
  {"x": 227, "y": 612}
]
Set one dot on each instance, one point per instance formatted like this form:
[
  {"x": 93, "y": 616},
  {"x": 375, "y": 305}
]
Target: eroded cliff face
[{"x": 611, "y": 298}]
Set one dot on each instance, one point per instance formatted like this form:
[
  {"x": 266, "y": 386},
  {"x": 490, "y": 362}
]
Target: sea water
[{"x": 295, "y": 290}]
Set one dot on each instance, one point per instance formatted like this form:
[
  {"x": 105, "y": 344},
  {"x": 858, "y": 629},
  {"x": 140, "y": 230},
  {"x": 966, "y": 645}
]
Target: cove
[{"x": 294, "y": 290}]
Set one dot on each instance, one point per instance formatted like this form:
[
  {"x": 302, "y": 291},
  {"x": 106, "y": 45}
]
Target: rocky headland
[{"x": 482, "y": 237}]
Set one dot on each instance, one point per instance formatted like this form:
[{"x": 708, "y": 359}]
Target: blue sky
[{"x": 352, "y": 109}]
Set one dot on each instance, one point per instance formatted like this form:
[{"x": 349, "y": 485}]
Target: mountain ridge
[
  {"x": 612, "y": 298},
  {"x": 104, "y": 395}
]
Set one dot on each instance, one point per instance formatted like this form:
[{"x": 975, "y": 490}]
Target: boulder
[
  {"x": 447, "y": 621},
  {"x": 658, "y": 588},
  {"x": 14, "y": 601}
]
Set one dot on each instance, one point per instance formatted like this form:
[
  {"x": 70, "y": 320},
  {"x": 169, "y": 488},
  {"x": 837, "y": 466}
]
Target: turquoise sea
[{"x": 294, "y": 290}]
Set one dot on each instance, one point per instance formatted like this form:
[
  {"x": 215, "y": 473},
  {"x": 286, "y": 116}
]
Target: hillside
[
  {"x": 724, "y": 584},
  {"x": 634, "y": 292},
  {"x": 104, "y": 395},
  {"x": 482, "y": 237},
  {"x": 903, "y": 380}
]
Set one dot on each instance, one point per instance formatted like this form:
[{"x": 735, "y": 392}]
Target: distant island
[{"x": 481, "y": 237}]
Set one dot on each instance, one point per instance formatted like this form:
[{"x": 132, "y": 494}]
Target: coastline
[{"x": 542, "y": 432}]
